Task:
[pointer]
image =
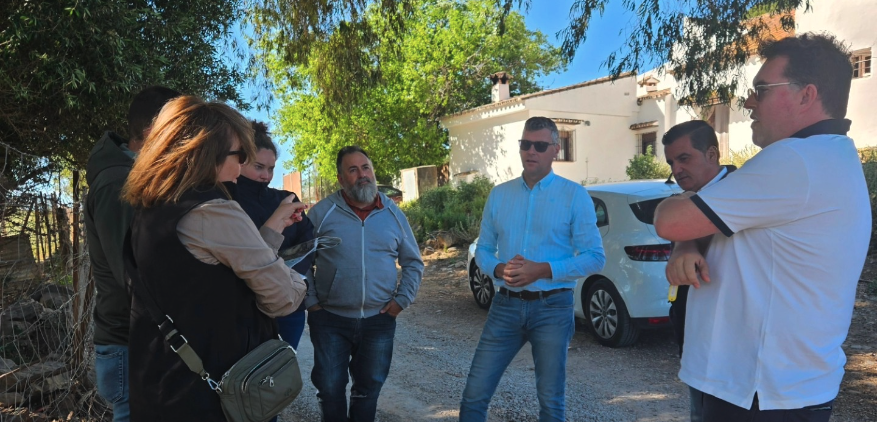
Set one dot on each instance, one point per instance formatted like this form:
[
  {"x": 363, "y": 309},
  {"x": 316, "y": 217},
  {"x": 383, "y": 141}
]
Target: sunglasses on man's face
[
  {"x": 540, "y": 146},
  {"x": 242, "y": 155}
]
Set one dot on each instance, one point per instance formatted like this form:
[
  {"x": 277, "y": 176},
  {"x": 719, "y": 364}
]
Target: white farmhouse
[{"x": 604, "y": 123}]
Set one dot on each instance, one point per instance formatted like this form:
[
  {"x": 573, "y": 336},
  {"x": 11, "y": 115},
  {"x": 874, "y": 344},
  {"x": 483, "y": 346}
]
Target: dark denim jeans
[
  {"x": 291, "y": 327},
  {"x": 548, "y": 324},
  {"x": 718, "y": 410},
  {"x": 360, "y": 347},
  {"x": 111, "y": 370},
  {"x": 696, "y": 398}
]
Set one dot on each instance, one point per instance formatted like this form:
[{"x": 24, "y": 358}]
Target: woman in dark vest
[
  {"x": 200, "y": 257},
  {"x": 259, "y": 201}
]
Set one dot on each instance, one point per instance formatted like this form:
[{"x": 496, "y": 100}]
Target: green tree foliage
[
  {"x": 69, "y": 68},
  {"x": 704, "y": 42},
  {"x": 647, "y": 166},
  {"x": 457, "y": 211},
  {"x": 436, "y": 66},
  {"x": 869, "y": 167}
]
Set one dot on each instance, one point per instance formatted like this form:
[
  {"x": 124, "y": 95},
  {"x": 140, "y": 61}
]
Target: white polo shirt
[{"x": 796, "y": 221}]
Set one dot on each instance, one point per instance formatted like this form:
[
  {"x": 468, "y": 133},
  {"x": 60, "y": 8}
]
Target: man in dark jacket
[
  {"x": 107, "y": 220},
  {"x": 692, "y": 151}
]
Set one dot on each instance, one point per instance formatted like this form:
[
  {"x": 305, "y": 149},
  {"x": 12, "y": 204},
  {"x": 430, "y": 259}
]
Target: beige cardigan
[{"x": 219, "y": 231}]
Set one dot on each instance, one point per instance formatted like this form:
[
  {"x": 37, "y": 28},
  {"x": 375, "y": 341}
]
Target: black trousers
[{"x": 718, "y": 410}]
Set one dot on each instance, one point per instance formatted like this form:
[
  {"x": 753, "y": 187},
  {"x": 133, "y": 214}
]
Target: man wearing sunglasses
[
  {"x": 773, "y": 298},
  {"x": 538, "y": 236}
]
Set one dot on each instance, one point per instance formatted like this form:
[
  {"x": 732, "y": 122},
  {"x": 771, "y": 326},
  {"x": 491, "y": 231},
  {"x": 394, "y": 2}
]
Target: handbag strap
[{"x": 165, "y": 323}]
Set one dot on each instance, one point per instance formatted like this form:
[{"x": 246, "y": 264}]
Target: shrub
[
  {"x": 738, "y": 158},
  {"x": 445, "y": 209},
  {"x": 869, "y": 167},
  {"x": 647, "y": 166}
]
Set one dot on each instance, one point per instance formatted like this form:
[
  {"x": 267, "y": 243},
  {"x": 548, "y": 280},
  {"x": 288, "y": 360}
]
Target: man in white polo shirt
[{"x": 774, "y": 298}]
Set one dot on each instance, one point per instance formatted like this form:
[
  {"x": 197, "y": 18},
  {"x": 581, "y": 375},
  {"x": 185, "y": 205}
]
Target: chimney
[{"x": 500, "y": 89}]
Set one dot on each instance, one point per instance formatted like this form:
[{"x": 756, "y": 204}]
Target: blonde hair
[{"x": 189, "y": 141}]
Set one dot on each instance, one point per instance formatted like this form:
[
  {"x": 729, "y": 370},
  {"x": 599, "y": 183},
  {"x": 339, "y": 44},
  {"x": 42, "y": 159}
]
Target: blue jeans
[
  {"x": 548, "y": 324},
  {"x": 291, "y": 327},
  {"x": 360, "y": 347},
  {"x": 111, "y": 369}
]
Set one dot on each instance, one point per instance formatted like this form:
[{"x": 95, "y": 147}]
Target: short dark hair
[
  {"x": 538, "y": 123},
  {"x": 702, "y": 135},
  {"x": 350, "y": 149},
  {"x": 145, "y": 106},
  {"x": 818, "y": 59},
  {"x": 262, "y": 137}
]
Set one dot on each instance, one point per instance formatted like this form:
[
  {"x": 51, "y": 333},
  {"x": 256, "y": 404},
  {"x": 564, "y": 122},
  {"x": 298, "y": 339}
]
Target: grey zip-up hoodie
[{"x": 357, "y": 278}]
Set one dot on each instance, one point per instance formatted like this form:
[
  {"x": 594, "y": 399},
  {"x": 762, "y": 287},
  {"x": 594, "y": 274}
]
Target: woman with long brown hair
[{"x": 197, "y": 254}]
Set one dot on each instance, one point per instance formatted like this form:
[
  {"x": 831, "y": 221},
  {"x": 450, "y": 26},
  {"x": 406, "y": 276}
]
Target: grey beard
[{"x": 362, "y": 194}]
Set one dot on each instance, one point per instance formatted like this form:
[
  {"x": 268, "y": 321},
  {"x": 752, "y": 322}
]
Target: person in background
[
  {"x": 107, "y": 219},
  {"x": 692, "y": 151},
  {"x": 198, "y": 255},
  {"x": 259, "y": 201}
]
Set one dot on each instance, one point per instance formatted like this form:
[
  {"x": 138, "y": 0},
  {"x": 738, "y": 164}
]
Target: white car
[{"x": 630, "y": 293}]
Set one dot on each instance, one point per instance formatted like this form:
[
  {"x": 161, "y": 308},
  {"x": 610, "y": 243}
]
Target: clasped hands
[{"x": 519, "y": 271}]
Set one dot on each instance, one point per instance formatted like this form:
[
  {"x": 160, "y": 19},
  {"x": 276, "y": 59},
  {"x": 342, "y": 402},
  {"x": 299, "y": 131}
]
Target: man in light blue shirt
[{"x": 538, "y": 235}]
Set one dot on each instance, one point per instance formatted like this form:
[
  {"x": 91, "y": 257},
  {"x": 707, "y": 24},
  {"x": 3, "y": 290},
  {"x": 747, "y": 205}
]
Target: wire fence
[{"x": 47, "y": 296}]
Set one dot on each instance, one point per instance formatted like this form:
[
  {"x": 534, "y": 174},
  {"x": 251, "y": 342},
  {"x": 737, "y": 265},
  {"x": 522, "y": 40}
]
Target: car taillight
[{"x": 649, "y": 252}]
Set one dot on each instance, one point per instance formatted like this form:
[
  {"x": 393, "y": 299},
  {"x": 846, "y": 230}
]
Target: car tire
[
  {"x": 606, "y": 315},
  {"x": 481, "y": 286}
]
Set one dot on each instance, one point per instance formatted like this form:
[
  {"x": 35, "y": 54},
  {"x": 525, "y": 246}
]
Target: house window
[
  {"x": 567, "y": 140},
  {"x": 861, "y": 63},
  {"x": 646, "y": 140}
]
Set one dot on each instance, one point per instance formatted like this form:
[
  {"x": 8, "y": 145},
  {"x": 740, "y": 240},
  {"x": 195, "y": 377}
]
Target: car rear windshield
[{"x": 645, "y": 210}]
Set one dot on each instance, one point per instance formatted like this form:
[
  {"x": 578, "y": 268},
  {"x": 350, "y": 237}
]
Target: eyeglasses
[
  {"x": 541, "y": 146},
  {"x": 242, "y": 155},
  {"x": 759, "y": 90}
]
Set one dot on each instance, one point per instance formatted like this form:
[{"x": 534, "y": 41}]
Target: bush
[
  {"x": 869, "y": 167},
  {"x": 445, "y": 209},
  {"x": 738, "y": 158},
  {"x": 647, "y": 166}
]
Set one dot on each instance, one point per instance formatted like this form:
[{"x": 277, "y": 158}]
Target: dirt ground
[
  {"x": 858, "y": 392},
  {"x": 437, "y": 335}
]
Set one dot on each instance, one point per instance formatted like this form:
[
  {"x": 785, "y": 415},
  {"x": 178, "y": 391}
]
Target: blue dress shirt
[{"x": 553, "y": 222}]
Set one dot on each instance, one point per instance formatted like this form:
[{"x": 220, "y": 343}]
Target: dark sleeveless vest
[{"x": 210, "y": 306}]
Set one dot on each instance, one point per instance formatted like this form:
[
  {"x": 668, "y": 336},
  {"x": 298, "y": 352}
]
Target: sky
[{"x": 605, "y": 36}]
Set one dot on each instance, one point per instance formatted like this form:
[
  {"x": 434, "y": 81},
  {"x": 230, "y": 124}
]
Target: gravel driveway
[{"x": 436, "y": 338}]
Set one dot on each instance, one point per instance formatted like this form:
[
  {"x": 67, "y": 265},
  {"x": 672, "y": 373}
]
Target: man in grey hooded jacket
[{"x": 354, "y": 298}]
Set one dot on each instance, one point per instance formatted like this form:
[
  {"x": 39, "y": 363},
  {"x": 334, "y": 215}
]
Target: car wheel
[
  {"x": 607, "y": 316},
  {"x": 482, "y": 287}
]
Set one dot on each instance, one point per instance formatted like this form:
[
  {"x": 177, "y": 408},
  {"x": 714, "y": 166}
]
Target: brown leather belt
[{"x": 530, "y": 295}]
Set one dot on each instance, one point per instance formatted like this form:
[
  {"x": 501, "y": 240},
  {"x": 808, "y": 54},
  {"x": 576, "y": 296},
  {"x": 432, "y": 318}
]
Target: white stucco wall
[
  {"x": 486, "y": 141},
  {"x": 853, "y": 22},
  {"x": 488, "y": 146}
]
